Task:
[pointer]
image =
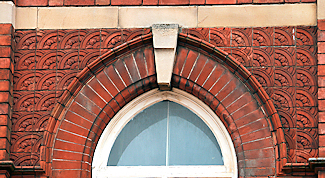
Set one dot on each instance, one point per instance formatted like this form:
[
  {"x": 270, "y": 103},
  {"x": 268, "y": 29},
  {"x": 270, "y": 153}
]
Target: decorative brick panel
[
  {"x": 282, "y": 60},
  {"x": 111, "y": 88}
]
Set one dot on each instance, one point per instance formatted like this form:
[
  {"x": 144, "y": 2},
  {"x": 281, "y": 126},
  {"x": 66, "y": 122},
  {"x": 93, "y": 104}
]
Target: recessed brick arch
[{"x": 127, "y": 71}]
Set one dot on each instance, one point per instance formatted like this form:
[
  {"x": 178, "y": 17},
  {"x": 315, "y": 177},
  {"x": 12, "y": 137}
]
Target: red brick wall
[
  {"x": 283, "y": 59},
  {"x": 321, "y": 85},
  {"x": 6, "y": 91},
  {"x": 148, "y": 2}
]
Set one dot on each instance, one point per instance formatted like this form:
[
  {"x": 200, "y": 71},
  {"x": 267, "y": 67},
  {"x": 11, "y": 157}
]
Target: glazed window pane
[
  {"x": 191, "y": 142},
  {"x": 165, "y": 134},
  {"x": 142, "y": 142}
]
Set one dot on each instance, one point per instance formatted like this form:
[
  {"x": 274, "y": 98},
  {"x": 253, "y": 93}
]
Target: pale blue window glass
[{"x": 165, "y": 134}]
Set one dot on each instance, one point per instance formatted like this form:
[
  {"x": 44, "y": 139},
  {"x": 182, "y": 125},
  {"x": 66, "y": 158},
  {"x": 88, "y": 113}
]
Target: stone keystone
[{"x": 164, "y": 43}]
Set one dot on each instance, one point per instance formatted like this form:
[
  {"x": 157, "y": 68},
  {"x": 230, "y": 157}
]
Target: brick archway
[{"x": 125, "y": 72}]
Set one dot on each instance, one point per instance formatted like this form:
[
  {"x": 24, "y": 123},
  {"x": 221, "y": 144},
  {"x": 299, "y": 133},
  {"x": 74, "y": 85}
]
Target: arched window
[{"x": 165, "y": 134}]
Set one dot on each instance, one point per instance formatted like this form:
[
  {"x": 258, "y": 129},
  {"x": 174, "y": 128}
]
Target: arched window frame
[{"x": 112, "y": 130}]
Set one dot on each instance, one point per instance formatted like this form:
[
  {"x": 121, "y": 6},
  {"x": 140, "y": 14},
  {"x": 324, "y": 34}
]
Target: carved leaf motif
[
  {"x": 303, "y": 99},
  {"x": 260, "y": 39},
  {"x": 238, "y": 40},
  {"x": 283, "y": 80},
  {"x": 280, "y": 39},
  {"x": 27, "y": 105},
  {"x": 280, "y": 101},
  {"x": 282, "y": 60},
  {"x": 258, "y": 58},
  {"x": 303, "y": 79}
]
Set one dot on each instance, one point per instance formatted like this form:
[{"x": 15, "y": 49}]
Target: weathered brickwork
[{"x": 283, "y": 60}]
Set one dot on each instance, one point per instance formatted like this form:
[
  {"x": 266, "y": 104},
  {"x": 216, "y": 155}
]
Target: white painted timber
[
  {"x": 7, "y": 12},
  {"x": 164, "y": 43},
  {"x": 146, "y": 16}
]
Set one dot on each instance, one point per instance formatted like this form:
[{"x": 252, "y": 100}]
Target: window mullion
[{"x": 167, "y": 141}]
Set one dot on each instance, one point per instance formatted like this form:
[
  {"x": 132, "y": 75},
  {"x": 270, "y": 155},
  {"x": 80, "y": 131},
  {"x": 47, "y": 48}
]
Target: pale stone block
[
  {"x": 257, "y": 15},
  {"x": 139, "y": 17},
  {"x": 320, "y": 9},
  {"x": 165, "y": 35},
  {"x": 164, "y": 43},
  {"x": 26, "y": 18},
  {"x": 77, "y": 17},
  {"x": 164, "y": 60},
  {"x": 7, "y": 12}
]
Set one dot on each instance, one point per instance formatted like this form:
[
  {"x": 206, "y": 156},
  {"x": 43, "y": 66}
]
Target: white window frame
[{"x": 112, "y": 130}]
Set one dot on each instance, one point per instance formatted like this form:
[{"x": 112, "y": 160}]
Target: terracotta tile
[
  {"x": 243, "y": 55},
  {"x": 304, "y": 155},
  {"x": 306, "y": 76},
  {"x": 45, "y": 100},
  {"x": 64, "y": 78},
  {"x": 284, "y": 56},
  {"x": 284, "y": 36},
  {"x": 305, "y": 98},
  {"x": 111, "y": 38},
  {"x": 307, "y": 117},
  {"x": 306, "y": 36},
  {"x": 25, "y": 60},
  {"x": 288, "y": 117},
  {"x": 285, "y": 76},
  {"x": 87, "y": 56},
  {"x": 263, "y": 36},
  {"x": 45, "y": 80},
  {"x": 46, "y": 59},
  {"x": 265, "y": 76},
  {"x": 284, "y": 98},
  {"x": 25, "y": 39},
  {"x": 47, "y": 39},
  {"x": 201, "y": 33},
  {"x": 220, "y": 37},
  {"x": 263, "y": 56},
  {"x": 68, "y": 39},
  {"x": 89, "y": 39},
  {"x": 68, "y": 59},
  {"x": 24, "y": 80}
]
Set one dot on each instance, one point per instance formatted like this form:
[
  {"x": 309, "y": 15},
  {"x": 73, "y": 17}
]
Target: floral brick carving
[{"x": 282, "y": 59}]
